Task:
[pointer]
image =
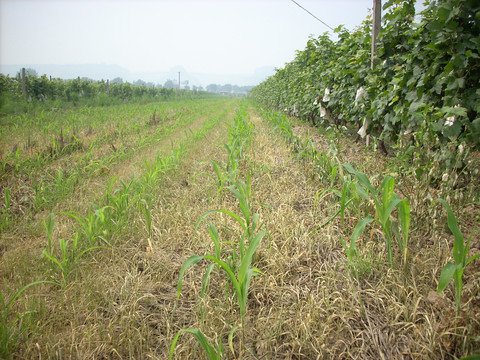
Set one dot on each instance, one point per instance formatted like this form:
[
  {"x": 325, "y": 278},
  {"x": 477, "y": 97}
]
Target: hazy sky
[{"x": 222, "y": 37}]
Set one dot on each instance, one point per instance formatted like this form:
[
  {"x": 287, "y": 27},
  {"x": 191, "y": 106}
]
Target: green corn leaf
[
  {"x": 471, "y": 357},
  {"x": 88, "y": 250},
  {"x": 230, "y": 339},
  {"x": 242, "y": 201},
  {"x": 192, "y": 260},
  {"x": 472, "y": 258},
  {"x": 225, "y": 267},
  {"x": 209, "y": 349},
  {"x": 227, "y": 212},
  {"x": 350, "y": 168},
  {"x": 245, "y": 286},
  {"x": 387, "y": 187},
  {"x": 404, "y": 219},
  {"x": 229, "y": 272},
  {"x": 318, "y": 196},
  {"x": 9, "y": 305},
  {"x": 361, "y": 191},
  {"x": 247, "y": 259},
  {"x": 206, "y": 278},
  {"x": 458, "y": 245},
  {"x": 52, "y": 259},
  {"x": 446, "y": 276},
  {"x": 365, "y": 182},
  {"x": 389, "y": 208},
  {"x": 215, "y": 238},
  {"x": 358, "y": 231},
  {"x": 362, "y": 178}
]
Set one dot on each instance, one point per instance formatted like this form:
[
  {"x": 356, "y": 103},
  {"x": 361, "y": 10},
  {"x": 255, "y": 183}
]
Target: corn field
[{"x": 216, "y": 228}]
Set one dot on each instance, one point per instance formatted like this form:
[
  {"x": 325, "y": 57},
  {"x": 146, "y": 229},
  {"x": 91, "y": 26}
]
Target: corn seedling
[
  {"x": 306, "y": 149},
  {"x": 146, "y": 211},
  {"x": 234, "y": 156},
  {"x": 385, "y": 202},
  {"x": 328, "y": 168},
  {"x": 349, "y": 195},
  {"x": 120, "y": 201},
  {"x": 240, "y": 276},
  {"x": 94, "y": 226},
  {"x": 69, "y": 255},
  {"x": 151, "y": 174},
  {"x": 460, "y": 253},
  {"x": 11, "y": 328},
  {"x": 221, "y": 175}
]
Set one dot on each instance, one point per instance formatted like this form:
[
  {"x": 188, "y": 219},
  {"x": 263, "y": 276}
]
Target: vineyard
[{"x": 188, "y": 226}]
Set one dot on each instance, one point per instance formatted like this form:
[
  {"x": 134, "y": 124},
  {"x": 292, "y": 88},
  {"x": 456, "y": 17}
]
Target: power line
[{"x": 313, "y": 15}]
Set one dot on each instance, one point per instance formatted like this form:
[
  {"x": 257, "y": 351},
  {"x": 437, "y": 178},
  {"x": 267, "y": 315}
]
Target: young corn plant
[
  {"x": 221, "y": 175},
  {"x": 240, "y": 271},
  {"x": 40, "y": 200},
  {"x": 386, "y": 201},
  {"x": 67, "y": 256},
  {"x": 120, "y": 202},
  {"x": 145, "y": 208},
  {"x": 347, "y": 196},
  {"x": 327, "y": 167},
  {"x": 403, "y": 210},
  {"x": 95, "y": 226},
  {"x": 460, "y": 254}
]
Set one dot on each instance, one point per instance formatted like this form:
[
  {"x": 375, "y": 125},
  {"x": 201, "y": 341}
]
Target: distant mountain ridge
[{"x": 111, "y": 71}]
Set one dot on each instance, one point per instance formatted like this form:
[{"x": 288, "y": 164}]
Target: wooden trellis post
[{"x": 377, "y": 20}]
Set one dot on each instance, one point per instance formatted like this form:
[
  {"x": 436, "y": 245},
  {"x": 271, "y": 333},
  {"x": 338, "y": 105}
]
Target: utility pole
[
  {"x": 179, "y": 80},
  {"x": 377, "y": 20}
]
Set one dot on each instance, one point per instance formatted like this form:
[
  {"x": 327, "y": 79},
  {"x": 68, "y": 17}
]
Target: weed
[
  {"x": 11, "y": 330},
  {"x": 351, "y": 249},
  {"x": 49, "y": 225},
  {"x": 5, "y": 221}
]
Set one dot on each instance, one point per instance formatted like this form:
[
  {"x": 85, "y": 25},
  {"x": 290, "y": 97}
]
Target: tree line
[{"x": 16, "y": 93}]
